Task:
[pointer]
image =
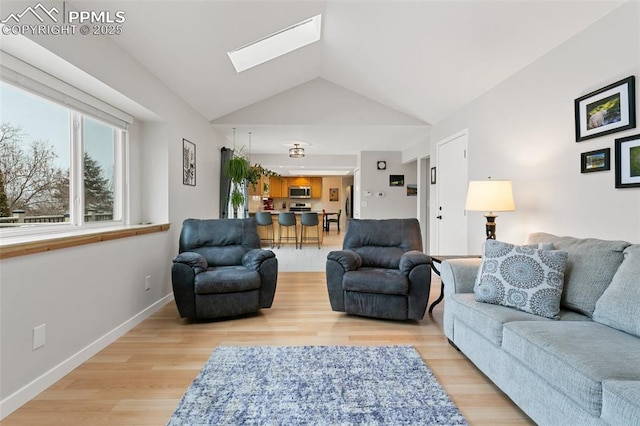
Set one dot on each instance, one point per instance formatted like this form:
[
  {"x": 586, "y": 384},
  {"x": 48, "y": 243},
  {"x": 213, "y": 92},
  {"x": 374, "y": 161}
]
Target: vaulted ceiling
[{"x": 382, "y": 73}]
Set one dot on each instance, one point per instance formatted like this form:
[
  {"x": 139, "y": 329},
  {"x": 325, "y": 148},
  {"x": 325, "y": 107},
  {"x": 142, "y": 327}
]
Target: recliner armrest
[
  {"x": 411, "y": 259},
  {"x": 254, "y": 258},
  {"x": 193, "y": 260},
  {"x": 348, "y": 259}
]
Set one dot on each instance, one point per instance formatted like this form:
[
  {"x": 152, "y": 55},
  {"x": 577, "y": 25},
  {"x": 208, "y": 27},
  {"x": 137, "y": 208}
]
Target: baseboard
[{"x": 32, "y": 389}]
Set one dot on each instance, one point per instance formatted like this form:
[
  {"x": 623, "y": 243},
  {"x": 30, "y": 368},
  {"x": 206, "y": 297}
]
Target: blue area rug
[{"x": 316, "y": 385}]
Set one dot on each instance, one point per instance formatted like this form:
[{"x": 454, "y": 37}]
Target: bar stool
[
  {"x": 309, "y": 220},
  {"x": 265, "y": 219},
  {"x": 287, "y": 220}
]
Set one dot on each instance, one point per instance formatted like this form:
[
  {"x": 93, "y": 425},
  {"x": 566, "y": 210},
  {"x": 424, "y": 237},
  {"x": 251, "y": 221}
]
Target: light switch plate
[{"x": 39, "y": 336}]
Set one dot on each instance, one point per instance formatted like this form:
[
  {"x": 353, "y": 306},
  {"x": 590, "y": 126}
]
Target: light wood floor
[{"x": 139, "y": 379}]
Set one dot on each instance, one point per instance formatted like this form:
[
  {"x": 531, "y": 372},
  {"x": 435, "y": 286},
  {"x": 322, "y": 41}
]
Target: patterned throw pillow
[{"x": 521, "y": 277}]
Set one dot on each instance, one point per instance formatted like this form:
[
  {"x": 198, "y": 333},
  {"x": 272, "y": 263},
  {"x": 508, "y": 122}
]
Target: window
[{"x": 58, "y": 167}]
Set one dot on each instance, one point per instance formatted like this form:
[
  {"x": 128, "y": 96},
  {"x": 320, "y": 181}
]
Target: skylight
[{"x": 277, "y": 44}]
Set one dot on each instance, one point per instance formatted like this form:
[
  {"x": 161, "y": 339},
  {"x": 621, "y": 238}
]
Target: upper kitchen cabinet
[
  {"x": 299, "y": 181},
  {"x": 278, "y": 187},
  {"x": 258, "y": 189},
  {"x": 316, "y": 187}
]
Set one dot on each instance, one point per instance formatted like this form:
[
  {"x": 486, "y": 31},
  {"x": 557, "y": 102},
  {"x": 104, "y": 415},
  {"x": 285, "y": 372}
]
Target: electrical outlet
[
  {"x": 39, "y": 336},
  {"x": 147, "y": 282}
]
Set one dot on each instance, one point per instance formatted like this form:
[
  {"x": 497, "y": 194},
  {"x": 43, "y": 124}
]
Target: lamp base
[{"x": 490, "y": 226}]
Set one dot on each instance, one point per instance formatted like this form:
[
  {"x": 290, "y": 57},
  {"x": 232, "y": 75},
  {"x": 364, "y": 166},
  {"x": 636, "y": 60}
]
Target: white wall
[
  {"x": 523, "y": 130},
  {"x": 419, "y": 153},
  {"x": 89, "y": 295},
  {"x": 395, "y": 203}
]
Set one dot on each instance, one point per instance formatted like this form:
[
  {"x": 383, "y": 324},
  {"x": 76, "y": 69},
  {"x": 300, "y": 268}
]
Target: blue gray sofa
[{"x": 583, "y": 369}]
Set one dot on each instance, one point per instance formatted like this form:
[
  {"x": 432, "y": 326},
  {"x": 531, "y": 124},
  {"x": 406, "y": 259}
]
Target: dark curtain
[{"x": 226, "y": 154}]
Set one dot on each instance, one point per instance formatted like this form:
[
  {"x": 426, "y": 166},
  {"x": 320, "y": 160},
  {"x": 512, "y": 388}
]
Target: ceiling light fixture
[
  {"x": 296, "y": 151},
  {"x": 277, "y": 44}
]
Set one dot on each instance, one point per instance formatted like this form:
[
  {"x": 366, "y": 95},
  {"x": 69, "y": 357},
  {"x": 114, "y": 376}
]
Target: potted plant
[{"x": 239, "y": 170}]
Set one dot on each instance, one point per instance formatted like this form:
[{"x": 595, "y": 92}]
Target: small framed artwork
[
  {"x": 188, "y": 163},
  {"x": 433, "y": 176},
  {"x": 628, "y": 162},
  {"x": 412, "y": 190},
  {"x": 595, "y": 161},
  {"x": 396, "y": 180},
  {"x": 333, "y": 194},
  {"x": 607, "y": 110}
]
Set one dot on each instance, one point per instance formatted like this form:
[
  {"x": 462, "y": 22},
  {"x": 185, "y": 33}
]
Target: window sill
[{"x": 21, "y": 246}]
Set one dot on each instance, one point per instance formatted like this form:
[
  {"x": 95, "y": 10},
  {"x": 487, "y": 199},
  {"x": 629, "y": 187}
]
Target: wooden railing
[{"x": 19, "y": 217}]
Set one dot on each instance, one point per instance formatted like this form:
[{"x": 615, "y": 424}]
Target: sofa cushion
[
  {"x": 226, "y": 279},
  {"x": 520, "y": 277},
  {"x": 576, "y": 356},
  {"x": 376, "y": 280},
  {"x": 618, "y": 306},
  {"x": 590, "y": 268},
  {"x": 621, "y": 402},
  {"x": 488, "y": 320}
]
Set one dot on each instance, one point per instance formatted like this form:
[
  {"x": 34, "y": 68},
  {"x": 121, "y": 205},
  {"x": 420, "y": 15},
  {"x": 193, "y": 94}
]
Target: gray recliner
[
  {"x": 221, "y": 270},
  {"x": 381, "y": 271}
]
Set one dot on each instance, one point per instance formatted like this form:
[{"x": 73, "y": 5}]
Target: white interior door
[{"x": 452, "y": 178}]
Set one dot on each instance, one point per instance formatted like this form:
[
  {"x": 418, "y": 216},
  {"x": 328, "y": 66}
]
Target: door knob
[{"x": 439, "y": 217}]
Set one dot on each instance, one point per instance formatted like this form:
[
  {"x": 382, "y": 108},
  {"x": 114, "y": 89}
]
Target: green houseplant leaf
[{"x": 239, "y": 170}]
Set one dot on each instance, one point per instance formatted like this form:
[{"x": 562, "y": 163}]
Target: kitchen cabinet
[
  {"x": 278, "y": 187},
  {"x": 316, "y": 187},
  {"x": 258, "y": 188},
  {"x": 299, "y": 181}
]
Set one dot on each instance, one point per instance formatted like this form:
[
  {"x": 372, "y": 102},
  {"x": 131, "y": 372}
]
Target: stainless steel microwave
[{"x": 299, "y": 192}]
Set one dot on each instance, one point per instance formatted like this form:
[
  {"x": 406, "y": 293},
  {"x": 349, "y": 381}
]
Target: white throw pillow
[{"x": 521, "y": 277}]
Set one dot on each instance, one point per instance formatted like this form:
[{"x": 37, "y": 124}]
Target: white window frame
[{"x": 34, "y": 81}]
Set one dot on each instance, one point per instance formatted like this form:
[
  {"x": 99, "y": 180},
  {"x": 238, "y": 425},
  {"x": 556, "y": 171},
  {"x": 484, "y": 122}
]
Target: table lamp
[{"x": 492, "y": 196}]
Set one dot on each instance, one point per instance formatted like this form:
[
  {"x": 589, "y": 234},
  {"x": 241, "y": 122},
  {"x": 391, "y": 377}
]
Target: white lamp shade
[{"x": 490, "y": 195}]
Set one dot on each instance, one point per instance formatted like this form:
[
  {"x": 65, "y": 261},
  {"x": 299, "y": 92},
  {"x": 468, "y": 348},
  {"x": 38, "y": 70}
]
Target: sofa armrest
[
  {"x": 459, "y": 275},
  {"x": 253, "y": 258},
  {"x": 194, "y": 260},
  {"x": 348, "y": 259},
  {"x": 411, "y": 259}
]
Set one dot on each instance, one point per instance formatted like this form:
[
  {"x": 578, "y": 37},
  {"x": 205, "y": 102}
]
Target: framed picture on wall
[
  {"x": 396, "y": 180},
  {"x": 333, "y": 194},
  {"x": 188, "y": 163},
  {"x": 607, "y": 110},
  {"x": 628, "y": 162},
  {"x": 412, "y": 190},
  {"x": 595, "y": 161}
]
